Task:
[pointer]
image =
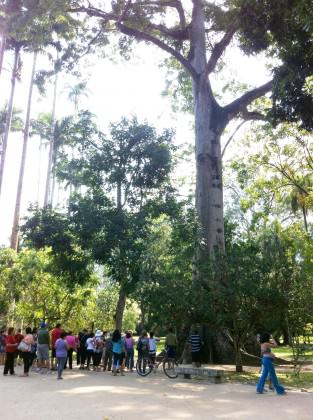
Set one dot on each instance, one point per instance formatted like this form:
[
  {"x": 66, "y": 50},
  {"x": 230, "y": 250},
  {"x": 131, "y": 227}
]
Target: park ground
[{"x": 100, "y": 396}]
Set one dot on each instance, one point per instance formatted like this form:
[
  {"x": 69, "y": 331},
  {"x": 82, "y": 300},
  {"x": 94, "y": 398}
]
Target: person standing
[
  {"x": 170, "y": 344},
  {"x": 98, "y": 349},
  {"x": 34, "y": 348},
  {"x": 267, "y": 343},
  {"x": 129, "y": 350},
  {"x": 83, "y": 337},
  {"x": 2, "y": 347},
  {"x": 55, "y": 335},
  {"x": 90, "y": 346},
  {"x": 71, "y": 343},
  {"x": 27, "y": 354},
  {"x": 152, "y": 347},
  {"x": 108, "y": 354},
  {"x": 18, "y": 354},
  {"x": 10, "y": 349},
  {"x": 61, "y": 348},
  {"x": 43, "y": 343},
  {"x": 117, "y": 352},
  {"x": 195, "y": 342}
]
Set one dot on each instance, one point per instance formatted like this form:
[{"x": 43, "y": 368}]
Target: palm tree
[
  {"x": 49, "y": 178},
  {"x": 15, "y": 72},
  {"x": 16, "y": 219},
  {"x": 75, "y": 93}
]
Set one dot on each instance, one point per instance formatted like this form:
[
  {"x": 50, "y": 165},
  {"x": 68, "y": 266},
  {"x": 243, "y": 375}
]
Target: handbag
[{"x": 23, "y": 346}]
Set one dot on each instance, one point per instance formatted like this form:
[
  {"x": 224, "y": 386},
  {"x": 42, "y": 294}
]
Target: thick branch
[
  {"x": 147, "y": 37},
  {"x": 239, "y": 105},
  {"x": 178, "y": 34},
  {"x": 252, "y": 115},
  {"x": 92, "y": 11},
  {"x": 220, "y": 47},
  {"x": 170, "y": 3}
]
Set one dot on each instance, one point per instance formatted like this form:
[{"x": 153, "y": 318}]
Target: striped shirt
[{"x": 195, "y": 341}]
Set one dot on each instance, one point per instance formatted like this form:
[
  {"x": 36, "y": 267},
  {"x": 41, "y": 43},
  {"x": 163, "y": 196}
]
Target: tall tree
[
  {"x": 196, "y": 34},
  {"x": 14, "y": 76},
  {"x": 16, "y": 219},
  {"x": 125, "y": 178}
]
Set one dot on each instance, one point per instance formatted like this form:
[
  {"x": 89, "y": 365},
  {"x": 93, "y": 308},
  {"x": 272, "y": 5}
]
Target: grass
[
  {"x": 285, "y": 352},
  {"x": 303, "y": 381}
]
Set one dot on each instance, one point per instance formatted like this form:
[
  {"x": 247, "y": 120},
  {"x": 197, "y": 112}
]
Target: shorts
[
  {"x": 2, "y": 349},
  {"x": 42, "y": 351},
  {"x": 195, "y": 356},
  {"x": 53, "y": 353},
  {"x": 170, "y": 352}
]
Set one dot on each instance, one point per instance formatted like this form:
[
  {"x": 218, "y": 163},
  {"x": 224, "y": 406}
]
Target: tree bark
[
  {"x": 120, "y": 309},
  {"x": 50, "y": 170},
  {"x": 2, "y": 51},
  {"x": 9, "y": 114},
  {"x": 209, "y": 190},
  {"x": 16, "y": 219}
]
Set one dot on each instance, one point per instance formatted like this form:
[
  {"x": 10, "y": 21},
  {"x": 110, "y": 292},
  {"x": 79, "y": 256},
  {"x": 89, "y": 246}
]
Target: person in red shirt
[
  {"x": 55, "y": 335},
  {"x": 10, "y": 349}
]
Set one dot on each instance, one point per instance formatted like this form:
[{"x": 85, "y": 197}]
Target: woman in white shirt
[{"x": 90, "y": 350}]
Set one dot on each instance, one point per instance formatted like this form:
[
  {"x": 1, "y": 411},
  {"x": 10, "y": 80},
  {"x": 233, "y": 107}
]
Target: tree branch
[
  {"x": 170, "y": 3},
  {"x": 149, "y": 38},
  {"x": 240, "y": 104},
  {"x": 252, "y": 115},
  {"x": 232, "y": 136},
  {"x": 220, "y": 47},
  {"x": 178, "y": 34}
]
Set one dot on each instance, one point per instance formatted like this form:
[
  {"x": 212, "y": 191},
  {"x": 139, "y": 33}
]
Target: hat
[
  {"x": 43, "y": 325},
  {"x": 98, "y": 333}
]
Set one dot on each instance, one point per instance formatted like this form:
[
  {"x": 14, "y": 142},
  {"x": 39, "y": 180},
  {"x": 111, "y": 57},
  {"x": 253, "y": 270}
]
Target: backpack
[{"x": 142, "y": 346}]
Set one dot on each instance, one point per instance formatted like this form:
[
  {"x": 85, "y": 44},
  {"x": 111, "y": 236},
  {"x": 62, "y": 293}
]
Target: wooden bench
[{"x": 213, "y": 375}]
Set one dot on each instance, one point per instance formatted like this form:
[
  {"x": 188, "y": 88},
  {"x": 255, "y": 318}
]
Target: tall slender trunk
[
  {"x": 305, "y": 219},
  {"x": 122, "y": 274},
  {"x": 9, "y": 114},
  {"x": 50, "y": 170},
  {"x": 209, "y": 189},
  {"x": 39, "y": 171},
  {"x": 120, "y": 309},
  {"x": 16, "y": 219},
  {"x": 2, "y": 51}
]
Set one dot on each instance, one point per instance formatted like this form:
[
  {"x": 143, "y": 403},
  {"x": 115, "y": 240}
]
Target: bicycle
[{"x": 145, "y": 365}]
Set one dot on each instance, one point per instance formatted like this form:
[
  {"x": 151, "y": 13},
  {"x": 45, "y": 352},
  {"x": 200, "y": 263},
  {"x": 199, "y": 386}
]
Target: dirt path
[{"x": 100, "y": 396}]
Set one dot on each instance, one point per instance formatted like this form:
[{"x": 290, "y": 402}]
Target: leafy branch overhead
[{"x": 270, "y": 27}]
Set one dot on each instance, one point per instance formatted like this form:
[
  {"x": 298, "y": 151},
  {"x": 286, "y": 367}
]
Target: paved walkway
[{"x": 100, "y": 396}]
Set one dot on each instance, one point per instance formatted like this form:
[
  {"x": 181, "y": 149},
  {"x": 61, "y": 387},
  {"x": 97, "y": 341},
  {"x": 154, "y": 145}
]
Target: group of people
[
  {"x": 113, "y": 351},
  {"x": 46, "y": 350}
]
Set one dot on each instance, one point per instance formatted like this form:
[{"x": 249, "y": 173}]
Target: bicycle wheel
[
  {"x": 169, "y": 365},
  {"x": 144, "y": 366}
]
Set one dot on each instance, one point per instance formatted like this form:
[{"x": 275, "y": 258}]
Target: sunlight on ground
[{"x": 105, "y": 388}]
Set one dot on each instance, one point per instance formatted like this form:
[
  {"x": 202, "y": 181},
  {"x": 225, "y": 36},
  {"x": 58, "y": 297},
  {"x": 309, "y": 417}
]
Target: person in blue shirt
[{"x": 117, "y": 352}]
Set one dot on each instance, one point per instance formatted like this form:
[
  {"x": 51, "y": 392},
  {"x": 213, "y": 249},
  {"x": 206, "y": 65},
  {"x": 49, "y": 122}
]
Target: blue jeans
[
  {"x": 130, "y": 359},
  {"x": 268, "y": 368},
  {"x": 61, "y": 364}
]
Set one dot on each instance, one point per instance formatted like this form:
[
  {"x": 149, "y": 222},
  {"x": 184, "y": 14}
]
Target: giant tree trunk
[
  {"x": 16, "y": 219},
  {"x": 209, "y": 190},
  {"x": 9, "y": 114},
  {"x": 120, "y": 309}
]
